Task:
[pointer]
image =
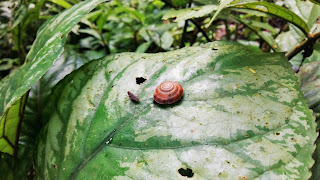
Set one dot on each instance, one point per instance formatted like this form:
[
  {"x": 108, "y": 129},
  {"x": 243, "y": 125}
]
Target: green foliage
[
  {"x": 46, "y": 49},
  {"x": 316, "y": 2},
  {"x": 263, "y": 83},
  {"x": 277, "y": 11},
  {"x": 222, "y": 5},
  {"x": 316, "y": 168},
  {"x": 190, "y": 13}
]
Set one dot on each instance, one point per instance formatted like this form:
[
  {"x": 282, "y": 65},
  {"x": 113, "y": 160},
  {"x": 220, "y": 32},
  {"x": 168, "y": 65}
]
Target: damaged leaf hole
[
  {"x": 140, "y": 80},
  {"x": 186, "y": 172}
]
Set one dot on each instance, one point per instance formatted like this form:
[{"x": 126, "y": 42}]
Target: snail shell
[{"x": 168, "y": 93}]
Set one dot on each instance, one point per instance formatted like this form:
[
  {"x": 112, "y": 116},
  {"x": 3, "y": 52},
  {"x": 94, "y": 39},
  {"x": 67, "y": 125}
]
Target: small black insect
[{"x": 133, "y": 97}]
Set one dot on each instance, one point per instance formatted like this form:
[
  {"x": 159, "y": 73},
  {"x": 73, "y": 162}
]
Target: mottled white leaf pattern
[{"x": 242, "y": 116}]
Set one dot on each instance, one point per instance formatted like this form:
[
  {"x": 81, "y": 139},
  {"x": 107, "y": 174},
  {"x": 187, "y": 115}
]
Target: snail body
[{"x": 168, "y": 92}]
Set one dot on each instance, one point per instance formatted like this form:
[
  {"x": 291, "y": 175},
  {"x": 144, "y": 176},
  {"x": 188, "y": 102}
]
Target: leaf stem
[
  {"x": 306, "y": 45},
  {"x": 193, "y": 22},
  {"x": 201, "y": 30},
  {"x": 185, "y": 29}
]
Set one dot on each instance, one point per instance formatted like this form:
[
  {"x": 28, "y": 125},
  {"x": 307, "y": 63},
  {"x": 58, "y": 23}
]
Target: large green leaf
[
  {"x": 45, "y": 50},
  {"x": 242, "y": 114}
]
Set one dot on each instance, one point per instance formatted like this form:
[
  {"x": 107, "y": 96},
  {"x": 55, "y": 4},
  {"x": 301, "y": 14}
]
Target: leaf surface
[
  {"x": 316, "y": 168},
  {"x": 242, "y": 115},
  {"x": 189, "y": 13},
  {"x": 310, "y": 79},
  {"x": 222, "y": 5},
  {"x": 315, "y": 2}
]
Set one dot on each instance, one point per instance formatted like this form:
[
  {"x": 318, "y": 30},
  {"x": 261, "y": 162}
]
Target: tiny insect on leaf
[{"x": 133, "y": 97}]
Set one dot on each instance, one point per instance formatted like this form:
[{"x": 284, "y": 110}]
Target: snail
[{"x": 168, "y": 92}]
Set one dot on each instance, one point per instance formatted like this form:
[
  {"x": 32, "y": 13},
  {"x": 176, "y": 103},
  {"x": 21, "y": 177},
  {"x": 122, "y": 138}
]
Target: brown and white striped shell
[{"x": 168, "y": 92}]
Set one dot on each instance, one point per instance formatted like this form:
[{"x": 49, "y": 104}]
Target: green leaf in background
[
  {"x": 60, "y": 25},
  {"x": 62, "y": 3},
  {"x": 189, "y": 13},
  {"x": 266, "y": 36},
  {"x": 14, "y": 88},
  {"x": 178, "y": 3},
  {"x": 277, "y": 11},
  {"x": 10, "y": 125},
  {"x": 307, "y": 11},
  {"x": 7, "y": 63},
  {"x": 45, "y": 50},
  {"x": 166, "y": 40},
  {"x": 242, "y": 116},
  {"x": 310, "y": 79},
  {"x": 316, "y": 168},
  {"x": 222, "y": 5},
  {"x": 69, "y": 61},
  {"x": 35, "y": 117},
  {"x": 143, "y": 47},
  {"x": 261, "y": 25},
  {"x": 288, "y": 40}
]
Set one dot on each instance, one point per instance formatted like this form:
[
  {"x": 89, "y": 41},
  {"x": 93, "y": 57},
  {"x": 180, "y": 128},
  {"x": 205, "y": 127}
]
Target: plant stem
[
  {"x": 185, "y": 29},
  {"x": 106, "y": 47},
  {"x": 193, "y": 22},
  {"x": 201, "y": 30},
  {"x": 184, "y": 34},
  {"x": 227, "y": 29},
  {"x": 305, "y": 45}
]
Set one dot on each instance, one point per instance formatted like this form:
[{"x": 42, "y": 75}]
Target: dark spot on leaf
[
  {"x": 277, "y": 133},
  {"x": 186, "y": 172},
  {"x": 140, "y": 80},
  {"x": 112, "y": 86},
  {"x": 55, "y": 166},
  {"x": 214, "y": 49}
]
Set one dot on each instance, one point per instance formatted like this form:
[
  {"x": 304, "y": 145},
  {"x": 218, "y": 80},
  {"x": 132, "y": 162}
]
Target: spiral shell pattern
[{"x": 168, "y": 92}]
